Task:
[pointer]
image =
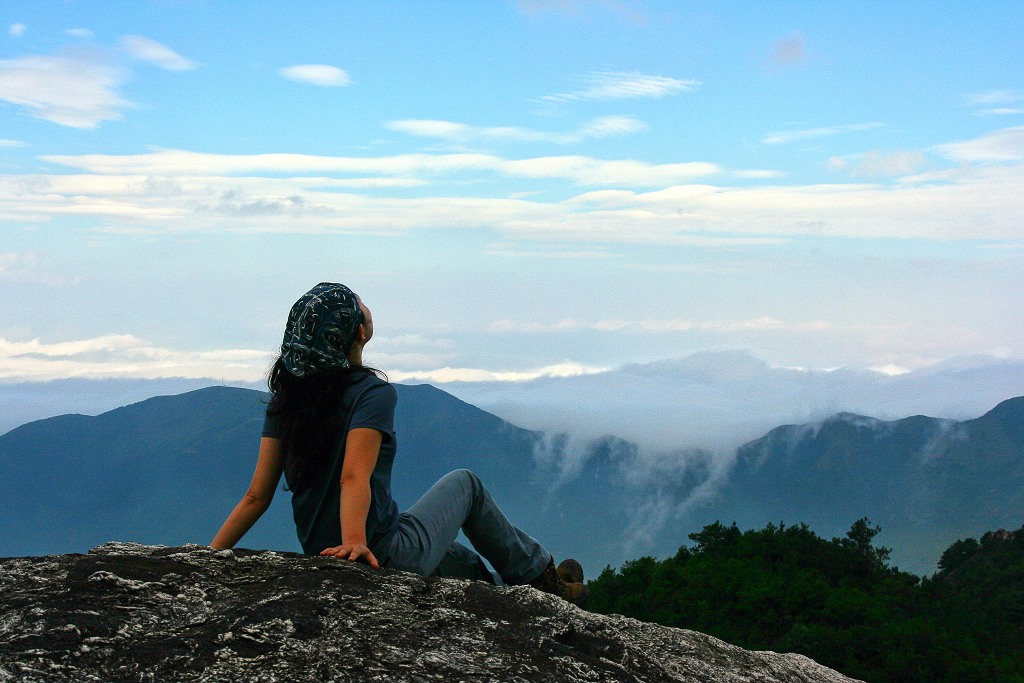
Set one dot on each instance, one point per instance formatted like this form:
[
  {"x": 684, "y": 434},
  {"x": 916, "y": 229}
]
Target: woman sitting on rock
[{"x": 329, "y": 430}]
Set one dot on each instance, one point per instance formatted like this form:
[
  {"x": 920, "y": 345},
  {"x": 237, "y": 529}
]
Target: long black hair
[{"x": 309, "y": 416}]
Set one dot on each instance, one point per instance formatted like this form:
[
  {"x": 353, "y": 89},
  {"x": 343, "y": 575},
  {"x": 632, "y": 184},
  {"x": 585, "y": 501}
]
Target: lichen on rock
[{"x": 127, "y": 612}]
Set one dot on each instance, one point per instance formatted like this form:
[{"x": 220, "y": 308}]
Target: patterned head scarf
[{"x": 321, "y": 328}]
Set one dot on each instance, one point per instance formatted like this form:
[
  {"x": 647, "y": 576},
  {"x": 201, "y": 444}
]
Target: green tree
[
  {"x": 958, "y": 553},
  {"x": 785, "y": 588}
]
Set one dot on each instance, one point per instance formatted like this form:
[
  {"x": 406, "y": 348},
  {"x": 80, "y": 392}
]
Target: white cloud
[
  {"x": 317, "y": 74},
  {"x": 16, "y": 30},
  {"x": 564, "y": 325},
  {"x": 1002, "y": 145},
  {"x": 25, "y": 267},
  {"x": 79, "y": 33},
  {"x": 589, "y": 171},
  {"x": 880, "y": 163},
  {"x": 124, "y": 356},
  {"x": 781, "y": 137},
  {"x": 579, "y": 169},
  {"x": 790, "y": 50},
  {"x": 990, "y": 101},
  {"x": 890, "y": 369},
  {"x": 609, "y": 126},
  {"x": 758, "y": 174},
  {"x": 617, "y": 85},
  {"x": 191, "y": 164},
  {"x": 79, "y": 88},
  {"x": 566, "y": 253},
  {"x": 449, "y": 130},
  {"x": 447, "y": 375},
  {"x": 179, "y": 190},
  {"x": 76, "y": 90},
  {"x": 660, "y": 325},
  {"x": 603, "y": 127},
  {"x": 149, "y": 50},
  {"x": 761, "y": 323},
  {"x": 1000, "y": 111},
  {"x": 719, "y": 400},
  {"x": 464, "y": 133},
  {"x": 991, "y": 97},
  {"x": 11, "y": 144},
  {"x": 838, "y": 163}
]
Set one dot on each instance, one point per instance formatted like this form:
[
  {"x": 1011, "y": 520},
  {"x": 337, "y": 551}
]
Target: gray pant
[{"x": 425, "y": 541}]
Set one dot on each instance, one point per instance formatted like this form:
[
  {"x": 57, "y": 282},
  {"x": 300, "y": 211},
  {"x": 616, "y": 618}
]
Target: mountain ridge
[
  {"x": 168, "y": 469},
  {"x": 923, "y": 475}
]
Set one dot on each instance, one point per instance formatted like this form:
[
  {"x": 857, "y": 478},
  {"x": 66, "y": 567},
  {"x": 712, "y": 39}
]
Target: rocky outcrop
[{"x": 126, "y": 612}]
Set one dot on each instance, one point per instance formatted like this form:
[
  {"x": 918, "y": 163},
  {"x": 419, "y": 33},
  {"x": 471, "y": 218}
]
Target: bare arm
[
  {"x": 257, "y": 499},
  {"x": 362, "y": 446}
]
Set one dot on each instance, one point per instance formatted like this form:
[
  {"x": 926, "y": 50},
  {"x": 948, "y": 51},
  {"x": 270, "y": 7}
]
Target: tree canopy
[{"x": 838, "y": 601}]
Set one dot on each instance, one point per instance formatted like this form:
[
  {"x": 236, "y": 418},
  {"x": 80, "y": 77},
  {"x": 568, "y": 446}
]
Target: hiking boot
[
  {"x": 571, "y": 571},
  {"x": 551, "y": 582}
]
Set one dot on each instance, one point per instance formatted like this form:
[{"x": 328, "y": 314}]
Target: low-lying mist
[
  {"x": 696, "y": 411},
  {"x": 674, "y": 426}
]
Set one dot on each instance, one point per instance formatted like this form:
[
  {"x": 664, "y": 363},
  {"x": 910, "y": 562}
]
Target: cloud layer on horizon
[
  {"x": 700, "y": 406},
  {"x": 716, "y": 401},
  {"x": 622, "y": 200}
]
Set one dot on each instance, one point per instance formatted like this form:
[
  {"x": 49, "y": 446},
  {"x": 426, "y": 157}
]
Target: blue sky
[{"x": 517, "y": 189}]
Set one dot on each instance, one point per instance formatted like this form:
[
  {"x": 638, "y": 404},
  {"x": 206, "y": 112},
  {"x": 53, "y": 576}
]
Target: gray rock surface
[{"x": 126, "y": 612}]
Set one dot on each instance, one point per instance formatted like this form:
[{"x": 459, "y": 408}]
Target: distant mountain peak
[
  {"x": 1012, "y": 409},
  {"x": 855, "y": 420}
]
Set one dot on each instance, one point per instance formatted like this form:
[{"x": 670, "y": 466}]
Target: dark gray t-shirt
[{"x": 368, "y": 402}]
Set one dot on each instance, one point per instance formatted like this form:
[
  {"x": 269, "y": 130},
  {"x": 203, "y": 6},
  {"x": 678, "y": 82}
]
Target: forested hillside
[
  {"x": 924, "y": 480},
  {"x": 838, "y": 601}
]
